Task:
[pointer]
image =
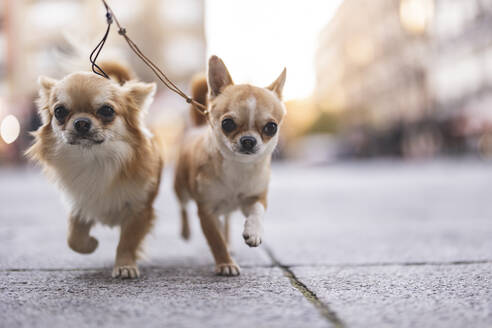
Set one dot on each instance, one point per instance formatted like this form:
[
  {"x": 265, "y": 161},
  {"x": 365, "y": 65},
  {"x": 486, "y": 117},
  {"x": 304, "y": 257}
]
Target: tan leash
[{"x": 110, "y": 16}]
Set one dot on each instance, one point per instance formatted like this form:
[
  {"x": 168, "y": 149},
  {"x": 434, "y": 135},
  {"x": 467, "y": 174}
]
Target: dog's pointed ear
[
  {"x": 278, "y": 85},
  {"x": 141, "y": 93},
  {"x": 218, "y": 76},
  {"x": 46, "y": 84}
]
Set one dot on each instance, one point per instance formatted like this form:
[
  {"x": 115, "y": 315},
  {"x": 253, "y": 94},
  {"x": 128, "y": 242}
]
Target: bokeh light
[
  {"x": 415, "y": 15},
  {"x": 10, "y": 129}
]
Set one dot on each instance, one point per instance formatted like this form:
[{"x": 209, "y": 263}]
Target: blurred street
[{"x": 355, "y": 244}]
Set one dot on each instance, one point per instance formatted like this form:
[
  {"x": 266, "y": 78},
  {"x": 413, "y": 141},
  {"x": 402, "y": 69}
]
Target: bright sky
[{"x": 257, "y": 38}]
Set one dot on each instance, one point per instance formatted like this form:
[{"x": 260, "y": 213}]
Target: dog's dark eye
[
  {"x": 228, "y": 125},
  {"x": 61, "y": 113},
  {"x": 106, "y": 112},
  {"x": 270, "y": 129}
]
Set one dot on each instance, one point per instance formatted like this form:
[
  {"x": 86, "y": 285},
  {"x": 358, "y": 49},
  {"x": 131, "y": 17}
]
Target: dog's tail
[
  {"x": 199, "y": 90},
  {"x": 117, "y": 71},
  {"x": 113, "y": 61}
]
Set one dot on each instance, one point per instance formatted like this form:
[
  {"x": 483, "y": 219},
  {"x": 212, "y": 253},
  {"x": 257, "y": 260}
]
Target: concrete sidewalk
[{"x": 374, "y": 244}]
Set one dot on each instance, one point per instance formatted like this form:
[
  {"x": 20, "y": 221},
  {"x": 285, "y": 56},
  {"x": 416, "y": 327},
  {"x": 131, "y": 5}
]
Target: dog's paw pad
[
  {"x": 252, "y": 239},
  {"x": 126, "y": 272},
  {"x": 227, "y": 269}
]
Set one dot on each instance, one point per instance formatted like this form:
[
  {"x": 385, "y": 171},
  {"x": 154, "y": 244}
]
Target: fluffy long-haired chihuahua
[
  {"x": 94, "y": 145},
  {"x": 225, "y": 165}
]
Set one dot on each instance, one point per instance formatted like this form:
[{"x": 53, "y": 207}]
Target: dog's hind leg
[
  {"x": 185, "y": 225},
  {"x": 183, "y": 199},
  {"x": 79, "y": 238}
]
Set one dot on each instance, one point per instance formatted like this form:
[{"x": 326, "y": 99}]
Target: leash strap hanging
[
  {"x": 95, "y": 53},
  {"x": 157, "y": 71}
]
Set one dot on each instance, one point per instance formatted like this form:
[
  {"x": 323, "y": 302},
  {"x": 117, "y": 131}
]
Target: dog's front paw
[
  {"x": 126, "y": 272},
  {"x": 83, "y": 246},
  {"x": 227, "y": 269},
  {"x": 252, "y": 237}
]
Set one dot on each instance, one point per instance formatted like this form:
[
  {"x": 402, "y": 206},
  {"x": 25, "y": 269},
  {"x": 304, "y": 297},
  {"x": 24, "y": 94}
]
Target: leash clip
[{"x": 109, "y": 17}]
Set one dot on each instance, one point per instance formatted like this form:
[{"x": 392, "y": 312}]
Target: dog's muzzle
[
  {"x": 82, "y": 125},
  {"x": 248, "y": 144}
]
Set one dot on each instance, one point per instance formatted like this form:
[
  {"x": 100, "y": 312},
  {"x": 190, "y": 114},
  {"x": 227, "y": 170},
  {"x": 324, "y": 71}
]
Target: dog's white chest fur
[
  {"x": 89, "y": 178},
  {"x": 238, "y": 182}
]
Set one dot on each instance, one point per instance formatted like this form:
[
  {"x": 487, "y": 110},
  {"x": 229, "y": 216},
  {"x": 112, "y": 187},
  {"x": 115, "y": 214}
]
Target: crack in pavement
[
  {"x": 376, "y": 264},
  {"x": 323, "y": 308}
]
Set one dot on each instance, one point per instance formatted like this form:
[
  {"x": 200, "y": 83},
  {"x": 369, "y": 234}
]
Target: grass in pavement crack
[{"x": 324, "y": 309}]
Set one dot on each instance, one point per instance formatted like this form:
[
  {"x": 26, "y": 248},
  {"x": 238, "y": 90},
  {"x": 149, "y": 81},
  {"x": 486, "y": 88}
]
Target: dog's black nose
[
  {"x": 248, "y": 142},
  {"x": 82, "y": 125}
]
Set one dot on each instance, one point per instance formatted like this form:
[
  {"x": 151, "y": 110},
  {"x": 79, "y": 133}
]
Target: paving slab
[
  {"x": 172, "y": 297},
  {"x": 405, "y": 296},
  {"x": 340, "y": 229},
  {"x": 43, "y": 283},
  {"x": 381, "y": 212}
]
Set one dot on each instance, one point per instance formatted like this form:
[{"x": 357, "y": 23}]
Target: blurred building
[
  {"x": 36, "y": 37},
  {"x": 389, "y": 66},
  {"x": 461, "y": 68},
  {"x": 367, "y": 63},
  {"x": 170, "y": 32}
]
